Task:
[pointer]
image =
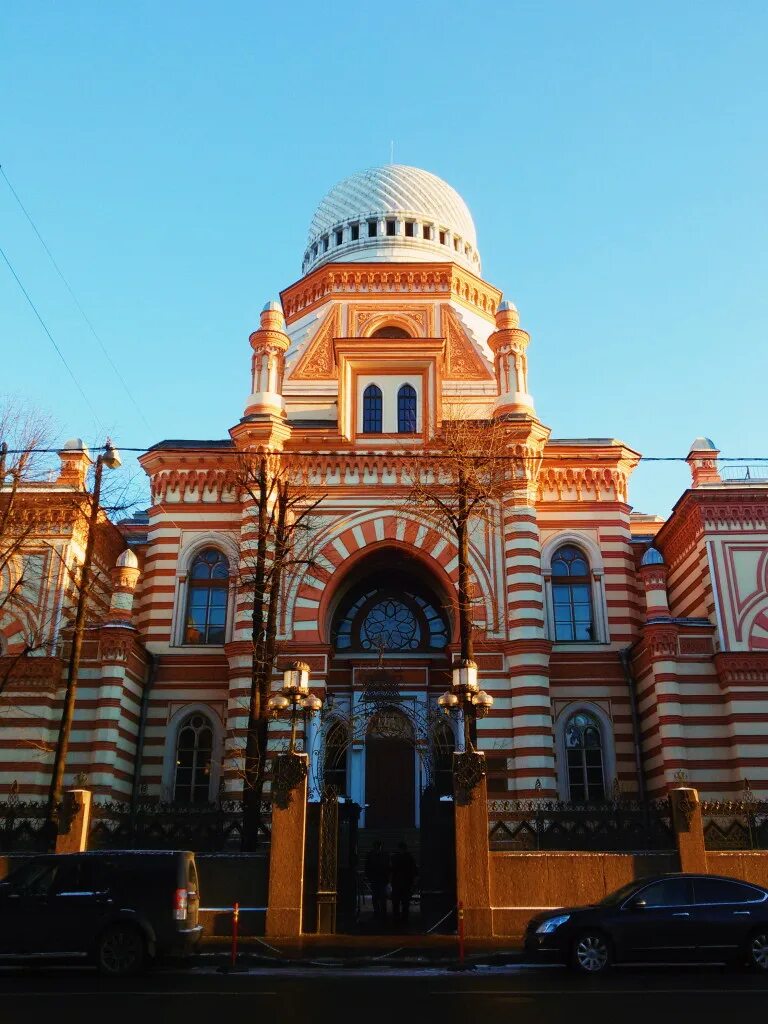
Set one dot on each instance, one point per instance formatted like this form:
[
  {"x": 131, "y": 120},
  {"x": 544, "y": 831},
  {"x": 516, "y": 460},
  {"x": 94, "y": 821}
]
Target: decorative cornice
[
  {"x": 745, "y": 668},
  {"x": 661, "y": 640},
  {"x": 30, "y": 673},
  {"x": 435, "y": 280}
]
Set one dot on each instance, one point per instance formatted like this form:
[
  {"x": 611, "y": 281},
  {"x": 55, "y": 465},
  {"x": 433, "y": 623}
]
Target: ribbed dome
[{"x": 392, "y": 213}]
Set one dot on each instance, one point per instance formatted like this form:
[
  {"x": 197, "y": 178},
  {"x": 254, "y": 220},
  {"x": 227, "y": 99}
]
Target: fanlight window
[
  {"x": 406, "y": 410},
  {"x": 584, "y": 753},
  {"x": 372, "y": 422},
  {"x": 194, "y": 748},
  {"x": 381, "y": 621},
  {"x": 572, "y": 595},
  {"x": 207, "y": 600}
]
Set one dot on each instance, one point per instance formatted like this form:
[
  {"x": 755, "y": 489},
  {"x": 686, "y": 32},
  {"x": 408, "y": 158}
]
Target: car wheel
[
  {"x": 121, "y": 950},
  {"x": 758, "y": 951},
  {"x": 591, "y": 953}
]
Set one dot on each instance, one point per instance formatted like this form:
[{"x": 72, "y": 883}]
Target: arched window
[
  {"x": 194, "y": 747},
  {"x": 584, "y": 753},
  {"x": 335, "y": 759},
  {"x": 384, "y": 620},
  {"x": 207, "y": 601},
  {"x": 572, "y": 595},
  {"x": 372, "y": 410},
  {"x": 406, "y": 410}
]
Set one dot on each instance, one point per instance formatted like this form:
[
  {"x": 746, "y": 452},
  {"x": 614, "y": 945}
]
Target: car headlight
[{"x": 551, "y": 924}]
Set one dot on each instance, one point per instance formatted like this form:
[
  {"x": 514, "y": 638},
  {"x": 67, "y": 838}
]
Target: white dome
[{"x": 416, "y": 216}]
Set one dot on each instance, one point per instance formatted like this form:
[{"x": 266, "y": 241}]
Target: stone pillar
[
  {"x": 286, "y": 860},
  {"x": 473, "y": 865},
  {"x": 689, "y": 829},
  {"x": 74, "y": 821}
]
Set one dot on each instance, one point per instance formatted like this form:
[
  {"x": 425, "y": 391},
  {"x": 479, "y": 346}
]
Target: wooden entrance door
[{"x": 390, "y": 778}]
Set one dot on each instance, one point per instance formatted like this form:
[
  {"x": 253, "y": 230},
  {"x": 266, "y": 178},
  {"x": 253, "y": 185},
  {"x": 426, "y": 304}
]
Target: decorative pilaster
[
  {"x": 528, "y": 647},
  {"x": 120, "y": 689}
]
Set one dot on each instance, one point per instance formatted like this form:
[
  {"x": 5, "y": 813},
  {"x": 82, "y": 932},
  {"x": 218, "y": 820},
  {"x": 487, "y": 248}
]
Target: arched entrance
[
  {"x": 390, "y": 628},
  {"x": 390, "y": 771}
]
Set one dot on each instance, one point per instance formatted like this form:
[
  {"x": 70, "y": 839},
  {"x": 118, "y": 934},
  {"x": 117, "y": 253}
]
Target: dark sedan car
[{"x": 662, "y": 918}]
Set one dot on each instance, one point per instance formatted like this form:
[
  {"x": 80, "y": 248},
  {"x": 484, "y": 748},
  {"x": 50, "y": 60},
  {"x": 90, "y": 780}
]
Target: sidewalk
[{"x": 365, "y": 950}]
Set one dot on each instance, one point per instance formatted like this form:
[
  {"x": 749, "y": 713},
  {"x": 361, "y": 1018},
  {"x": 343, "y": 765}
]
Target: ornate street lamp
[
  {"x": 466, "y": 698},
  {"x": 294, "y": 698}
]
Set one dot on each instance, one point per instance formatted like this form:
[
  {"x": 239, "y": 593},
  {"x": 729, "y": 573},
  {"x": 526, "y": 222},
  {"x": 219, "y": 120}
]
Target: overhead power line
[
  {"x": 202, "y": 449},
  {"x": 52, "y": 339},
  {"x": 75, "y": 299}
]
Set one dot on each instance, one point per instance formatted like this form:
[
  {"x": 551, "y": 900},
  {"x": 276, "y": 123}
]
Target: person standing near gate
[
  {"x": 377, "y": 873},
  {"x": 403, "y": 872}
]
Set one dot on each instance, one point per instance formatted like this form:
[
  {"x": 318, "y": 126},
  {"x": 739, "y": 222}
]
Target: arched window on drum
[
  {"x": 572, "y": 595},
  {"x": 206, "y": 619},
  {"x": 194, "y": 750},
  {"x": 585, "y": 760},
  {"x": 406, "y": 410},
  {"x": 372, "y": 410}
]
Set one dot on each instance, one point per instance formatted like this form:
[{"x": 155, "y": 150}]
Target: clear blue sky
[{"x": 614, "y": 156}]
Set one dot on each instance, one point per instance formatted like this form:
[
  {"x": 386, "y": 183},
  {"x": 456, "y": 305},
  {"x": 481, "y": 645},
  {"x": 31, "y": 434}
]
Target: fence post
[
  {"x": 286, "y": 856},
  {"x": 74, "y": 821},
  {"x": 688, "y": 825},
  {"x": 473, "y": 876}
]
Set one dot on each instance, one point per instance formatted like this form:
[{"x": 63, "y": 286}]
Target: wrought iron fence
[
  {"x": 153, "y": 825},
  {"x": 735, "y": 824},
  {"x": 23, "y": 826},
  {"x": 621, "y": 826}
]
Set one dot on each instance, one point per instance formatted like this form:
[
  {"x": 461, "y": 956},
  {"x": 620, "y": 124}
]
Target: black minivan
[{"x": 119, "y": 909}]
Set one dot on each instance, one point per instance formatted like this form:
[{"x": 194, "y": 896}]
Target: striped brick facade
[{"x": 673, "y": 671}]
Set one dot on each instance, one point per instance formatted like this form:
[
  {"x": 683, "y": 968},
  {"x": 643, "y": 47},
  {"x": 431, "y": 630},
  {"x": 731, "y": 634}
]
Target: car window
[
  {"x": 35, "y": 878},
  {"x": 671, "y": 892},
  {"x": 718, "y": 890},
  {"x": 81, "y": 876}
]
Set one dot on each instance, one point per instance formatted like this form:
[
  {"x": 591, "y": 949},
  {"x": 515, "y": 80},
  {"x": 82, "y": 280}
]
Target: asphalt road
[{"x": 397, "y": 996}]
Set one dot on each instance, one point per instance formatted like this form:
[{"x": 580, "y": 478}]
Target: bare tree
[
  {"x": 25, "y": 450},
  {"x": 279, "y": 543},
  {"x": 458, "y": 480}
]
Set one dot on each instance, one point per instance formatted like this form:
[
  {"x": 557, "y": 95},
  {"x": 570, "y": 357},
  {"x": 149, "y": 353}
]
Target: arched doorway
[
  {"x": 390, "y": 628},
  {"x": 390, "y": 770}
]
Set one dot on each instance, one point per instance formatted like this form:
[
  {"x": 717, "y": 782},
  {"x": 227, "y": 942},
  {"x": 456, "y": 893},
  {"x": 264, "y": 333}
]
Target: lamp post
[
  {"x": 109, "y": 457},
  {"x": 294, "y": 698},
  {"x": 466, "y": 698}
]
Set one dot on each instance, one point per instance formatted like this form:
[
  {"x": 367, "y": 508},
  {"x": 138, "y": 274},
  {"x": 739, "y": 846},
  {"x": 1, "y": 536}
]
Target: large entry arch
[{"x": 391, "y": 626}]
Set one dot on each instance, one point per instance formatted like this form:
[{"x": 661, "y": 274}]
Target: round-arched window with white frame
[{"x": 584, "y": 758}]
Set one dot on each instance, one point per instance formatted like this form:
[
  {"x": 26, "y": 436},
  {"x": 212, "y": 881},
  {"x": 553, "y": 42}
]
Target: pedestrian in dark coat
[
  {"x": 403, "y": 871},
  {"x": 377, "y": 873}
]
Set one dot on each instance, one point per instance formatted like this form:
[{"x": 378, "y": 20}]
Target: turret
[
  {"x": 653, "y": 573},
  {"x": 702, "y": 459},
  {"x": 269, "y": 343},
  {"x": 509, "y": 345}
]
